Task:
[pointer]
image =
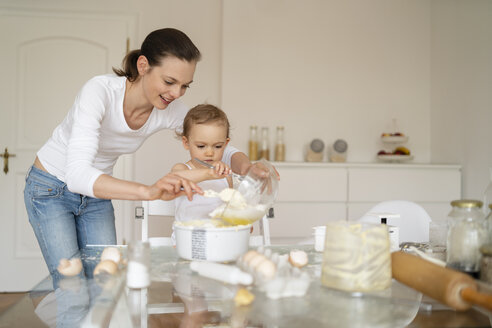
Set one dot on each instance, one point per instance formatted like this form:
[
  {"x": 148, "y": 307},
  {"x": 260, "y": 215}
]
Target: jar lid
[
  {"x": 466, "y": 203},
  {"x": 486, "y": 249}
]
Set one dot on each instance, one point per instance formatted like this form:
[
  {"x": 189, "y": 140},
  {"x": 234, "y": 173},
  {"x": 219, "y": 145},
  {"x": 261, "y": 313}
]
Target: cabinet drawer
[
  {"x": 296, "y": 219},
  {"x": 426, "y": 185},
  {"x": 316, "y": 184}
]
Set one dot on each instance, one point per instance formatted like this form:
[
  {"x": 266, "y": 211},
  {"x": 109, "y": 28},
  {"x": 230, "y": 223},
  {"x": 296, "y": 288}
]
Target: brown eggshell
[{"x": 107, "y": 266}]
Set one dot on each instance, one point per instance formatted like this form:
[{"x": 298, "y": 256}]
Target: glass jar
[
  {"x": 138, "y": 270},
  {"x": 253, "y": 143},
  {"x": 466, "y": 234},
  {"x": 279, "y": 145},
  {"x": 265, "y": 144}
]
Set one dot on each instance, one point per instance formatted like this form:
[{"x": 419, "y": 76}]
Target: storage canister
[{"x": 467, "y": 232}]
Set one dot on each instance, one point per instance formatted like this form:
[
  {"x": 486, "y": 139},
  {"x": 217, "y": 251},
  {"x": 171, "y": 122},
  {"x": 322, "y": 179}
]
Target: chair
[
  {"x": 156, "y": 207},
  {"x": 413, "y": 221},
  {"x": 166, "y": 208}
]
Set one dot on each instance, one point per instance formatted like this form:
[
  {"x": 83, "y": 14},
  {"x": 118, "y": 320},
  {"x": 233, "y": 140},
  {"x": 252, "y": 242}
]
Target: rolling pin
[{"x": 453, "y": 288}]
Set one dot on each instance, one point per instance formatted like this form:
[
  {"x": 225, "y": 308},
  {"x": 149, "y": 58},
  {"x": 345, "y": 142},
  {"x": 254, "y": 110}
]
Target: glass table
[{"x": 178, "y": 297}]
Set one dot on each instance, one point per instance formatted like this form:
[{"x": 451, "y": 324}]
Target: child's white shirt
[{"x": 200, "y": 206}]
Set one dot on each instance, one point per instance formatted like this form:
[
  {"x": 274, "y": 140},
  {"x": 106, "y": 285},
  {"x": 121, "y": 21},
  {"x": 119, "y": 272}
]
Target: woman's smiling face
[{"x": 164, "y": 83}]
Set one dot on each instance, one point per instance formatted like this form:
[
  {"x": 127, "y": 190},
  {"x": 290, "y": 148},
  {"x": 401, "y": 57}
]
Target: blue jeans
[{"x": 65, "y": 222}]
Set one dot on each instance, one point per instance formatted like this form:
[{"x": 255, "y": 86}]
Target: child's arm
[{"x": 199, "y": 174}]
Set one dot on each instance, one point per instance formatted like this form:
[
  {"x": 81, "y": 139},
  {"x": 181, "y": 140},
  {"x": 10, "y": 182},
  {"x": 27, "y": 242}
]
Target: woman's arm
[
  {"x": 240, "y": 163},
  {"x": 166, "y": 188}
]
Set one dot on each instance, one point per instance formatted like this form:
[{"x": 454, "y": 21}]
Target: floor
[{"x": 8, "y": 299}]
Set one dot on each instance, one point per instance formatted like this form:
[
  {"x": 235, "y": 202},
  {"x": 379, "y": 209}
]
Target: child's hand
[{"x": 220, "y": 170}]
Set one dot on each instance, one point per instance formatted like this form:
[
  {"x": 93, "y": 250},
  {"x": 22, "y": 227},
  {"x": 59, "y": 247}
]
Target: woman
[{"x": 69, "y": 188}]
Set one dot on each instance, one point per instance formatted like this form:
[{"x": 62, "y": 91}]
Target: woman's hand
[{"x": 171, "y": 186}]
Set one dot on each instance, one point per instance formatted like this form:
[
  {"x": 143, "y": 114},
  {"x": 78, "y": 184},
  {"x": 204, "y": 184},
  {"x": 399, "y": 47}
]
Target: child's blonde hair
[{"x": 204, "y": 114}]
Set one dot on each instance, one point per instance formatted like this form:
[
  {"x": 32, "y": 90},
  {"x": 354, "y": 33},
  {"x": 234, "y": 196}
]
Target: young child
[{"x": 205, "y": 135}]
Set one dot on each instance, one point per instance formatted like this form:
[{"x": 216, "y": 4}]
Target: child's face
[{"x": 206, "y": 142}]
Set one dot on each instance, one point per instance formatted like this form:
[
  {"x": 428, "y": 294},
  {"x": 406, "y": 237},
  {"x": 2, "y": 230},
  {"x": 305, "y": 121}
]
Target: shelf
[{"x": 395, "y": 158}]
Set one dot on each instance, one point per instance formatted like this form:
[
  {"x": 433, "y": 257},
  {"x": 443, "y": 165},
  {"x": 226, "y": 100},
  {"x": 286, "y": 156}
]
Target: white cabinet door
[
  {"x": 296, "y": 219},
  {"x": 45, "y": 58},
  {"x": 312, "y": 184}
]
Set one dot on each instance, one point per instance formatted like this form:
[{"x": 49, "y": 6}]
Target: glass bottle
[
  {"x": 279, "y": 145},
  {"x": 265, "y": 144},
  {"x": 466, "y": 234},
  {"x": 138, "y": 270},
  {"x": 253, "y": 143}
]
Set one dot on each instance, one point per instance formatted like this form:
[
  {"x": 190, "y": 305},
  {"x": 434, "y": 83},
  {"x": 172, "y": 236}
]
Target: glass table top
[{"x": 177, "y": 296}]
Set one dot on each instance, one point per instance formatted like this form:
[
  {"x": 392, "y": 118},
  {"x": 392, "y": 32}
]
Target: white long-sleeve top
[{"x": 95, "y": 133}]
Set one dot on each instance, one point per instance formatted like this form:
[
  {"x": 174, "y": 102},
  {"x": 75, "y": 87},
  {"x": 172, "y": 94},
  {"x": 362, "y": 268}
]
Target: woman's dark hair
[
  {"x": 158, "y": 45},
  {"x": 204, "y": 114}
]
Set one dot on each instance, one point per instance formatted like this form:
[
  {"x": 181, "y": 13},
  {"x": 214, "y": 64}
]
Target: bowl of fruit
[{"x": 399, "y": 154}]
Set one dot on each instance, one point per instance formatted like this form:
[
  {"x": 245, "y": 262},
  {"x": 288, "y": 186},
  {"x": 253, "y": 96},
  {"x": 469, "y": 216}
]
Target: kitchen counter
[{"x": 178, "y": 296}]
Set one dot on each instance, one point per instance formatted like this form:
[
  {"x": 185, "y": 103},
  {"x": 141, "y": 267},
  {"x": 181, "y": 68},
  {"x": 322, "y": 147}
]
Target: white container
[
  {"x": 319, "y": 238},
  {"x": 222, "y": 244},
  {"x": 394, "y": 236}
]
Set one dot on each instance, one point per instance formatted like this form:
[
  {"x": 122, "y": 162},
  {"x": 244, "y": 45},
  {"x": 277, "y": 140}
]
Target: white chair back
[
  {"x": 413, "y": 223},
  {"x": 154, "y": 208}
]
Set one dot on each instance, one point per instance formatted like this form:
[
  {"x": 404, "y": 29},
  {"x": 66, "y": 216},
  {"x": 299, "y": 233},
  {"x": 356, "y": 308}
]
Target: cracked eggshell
[
  {"x": 107, "y": 266},
  {"x": 70, "y": 267},
  {"x": 111, "y": 253},
  {"x": 298, "y": 258}
]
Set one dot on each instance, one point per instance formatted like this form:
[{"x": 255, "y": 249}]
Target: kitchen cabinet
[{"x": 312, "y": 194}]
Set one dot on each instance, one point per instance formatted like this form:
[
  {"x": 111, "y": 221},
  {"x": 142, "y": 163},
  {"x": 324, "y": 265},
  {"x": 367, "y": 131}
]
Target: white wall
[
  {"x": 328, "y": 69},
  {"x": 461, "y": 116}
]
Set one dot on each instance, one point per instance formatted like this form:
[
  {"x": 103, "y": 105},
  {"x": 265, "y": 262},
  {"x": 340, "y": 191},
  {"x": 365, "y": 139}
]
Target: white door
[{"x": 44, "y": 60}]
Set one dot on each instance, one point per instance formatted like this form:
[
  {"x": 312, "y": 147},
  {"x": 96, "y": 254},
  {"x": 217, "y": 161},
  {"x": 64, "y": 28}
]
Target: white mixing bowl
[{"x": 223, "y": 244}]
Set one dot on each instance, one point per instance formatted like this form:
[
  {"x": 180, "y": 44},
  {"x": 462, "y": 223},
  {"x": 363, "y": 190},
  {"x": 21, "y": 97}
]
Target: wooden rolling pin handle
[
  {"x": 442, "y": 284},
  {"x": 472, "y": 296}
]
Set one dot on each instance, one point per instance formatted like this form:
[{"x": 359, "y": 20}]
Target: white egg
[
  {"x": 248, "y": 256},
  {"x": 256, "y": 260},
  {"x": 267, "y": 269}
]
